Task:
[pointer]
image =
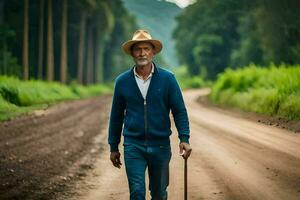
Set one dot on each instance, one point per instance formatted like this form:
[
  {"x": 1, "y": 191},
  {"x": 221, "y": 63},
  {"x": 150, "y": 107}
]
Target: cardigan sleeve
[
  {"x": 116, "y": 119},
  {"x": 178, "y": 110}
]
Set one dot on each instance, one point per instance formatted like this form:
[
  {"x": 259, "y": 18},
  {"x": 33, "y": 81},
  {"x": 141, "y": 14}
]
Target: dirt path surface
[
  {"x": 61, "y": 153},
  {"x": 42, "y": 155}
]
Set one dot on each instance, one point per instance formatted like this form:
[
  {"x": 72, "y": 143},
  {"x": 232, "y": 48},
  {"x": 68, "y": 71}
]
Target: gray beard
[{"x": 142, "y": 62}]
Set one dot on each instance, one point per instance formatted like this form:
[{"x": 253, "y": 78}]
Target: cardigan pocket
[
  {"x": 158, "y": 125},
  {"x": 129, "y": 123},
  {"x": 133, "y": 127}
]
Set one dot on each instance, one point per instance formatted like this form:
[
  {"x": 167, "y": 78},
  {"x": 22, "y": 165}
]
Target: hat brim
[{"x": 126, "y": 46}]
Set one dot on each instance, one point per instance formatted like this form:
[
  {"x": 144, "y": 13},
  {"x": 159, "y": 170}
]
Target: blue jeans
[{"x": 156, "y": 158}]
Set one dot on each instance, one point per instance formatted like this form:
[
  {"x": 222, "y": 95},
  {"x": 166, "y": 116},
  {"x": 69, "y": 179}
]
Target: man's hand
[
  {"x": 185, "y": 150},
  {"x": 115, "y": 159}
]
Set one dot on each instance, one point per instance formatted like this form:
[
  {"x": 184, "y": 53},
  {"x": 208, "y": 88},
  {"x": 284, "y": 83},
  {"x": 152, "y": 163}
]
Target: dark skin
[{"x": 142, "y": 54}]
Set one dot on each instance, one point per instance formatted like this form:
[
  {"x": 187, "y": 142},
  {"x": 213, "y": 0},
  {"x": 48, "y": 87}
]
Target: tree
[
  {"x": 25, "y": 41},
  {"x": 90, "y": 56},
  {"x": 81, "y": 46},
  {"x": 104, "y": 25},
  {"x": 205, "y": 34},
  {"x": 278, "y": 25},
  {"x": 51, "y": 26},
  {"x": 115, "y": 61},
  {"x": 1, "y": 12},
  {"x": 41, "y": 40},
  {"x": 63, "y": 58},
  {"x": 249, "y": 48},
  {"x": 212, "y": 35},
  {"x": 50, "y": 56}
]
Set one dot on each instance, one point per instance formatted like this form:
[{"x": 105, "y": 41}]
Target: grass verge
[
  {"x": 17, "y": 96},
  {"x": 272, "y": 90}
]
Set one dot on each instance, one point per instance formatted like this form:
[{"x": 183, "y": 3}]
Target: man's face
[{"x": 142, "y": 53}]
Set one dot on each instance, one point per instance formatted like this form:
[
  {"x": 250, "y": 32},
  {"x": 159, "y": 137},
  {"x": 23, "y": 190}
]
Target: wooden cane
[{"x": 185, "y": 178}]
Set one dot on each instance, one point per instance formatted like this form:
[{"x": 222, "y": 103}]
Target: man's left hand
[{"x": 185, "y": 150}]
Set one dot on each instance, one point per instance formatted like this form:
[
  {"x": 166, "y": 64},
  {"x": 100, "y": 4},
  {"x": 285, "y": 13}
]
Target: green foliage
[
  {"x": 193, "y": 82},
  {"x": 291, "y": 106},
  {"x": 18, "y": 96},
  {"x": 33, "y": 92},
  {"x": 115, "y": 60},
  {"x": 272, "y": 90},
  {"x": 186, "y": 81},
  {"x": 205, "y": 35},
  {"x": 212, "y": 35},
  {"x": 107, "y": 25},
  {"x": 8, "y": 62},
  {"x": 91, "y": 90},
  {"x": 6, "y": 107},
  {"x": 278, "y": 29},
  {"x": 95, "y": 90},
  {"x": 249, "y": 49}
]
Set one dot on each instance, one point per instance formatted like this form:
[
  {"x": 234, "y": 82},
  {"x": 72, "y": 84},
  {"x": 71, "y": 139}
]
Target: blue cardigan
[{"x": 147, "y": 121}]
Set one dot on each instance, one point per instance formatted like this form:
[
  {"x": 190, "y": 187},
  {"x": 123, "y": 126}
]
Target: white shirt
[{"x": 143, "y": 84}]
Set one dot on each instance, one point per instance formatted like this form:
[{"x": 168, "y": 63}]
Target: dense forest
[
  {"x": 64, "y": 40},
  {"x": 80, "y": 40},
  {"x": 212, "y": 35}
]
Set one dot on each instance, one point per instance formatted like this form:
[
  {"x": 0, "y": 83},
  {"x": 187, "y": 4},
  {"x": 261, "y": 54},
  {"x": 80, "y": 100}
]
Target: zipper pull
[{"x": 145, "y": 103}]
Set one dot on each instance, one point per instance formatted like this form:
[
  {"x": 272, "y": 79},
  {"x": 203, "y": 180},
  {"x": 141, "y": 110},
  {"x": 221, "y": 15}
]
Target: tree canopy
[
  {"x": 84, "y": 37},
  {"x": 212, "y": 34}
]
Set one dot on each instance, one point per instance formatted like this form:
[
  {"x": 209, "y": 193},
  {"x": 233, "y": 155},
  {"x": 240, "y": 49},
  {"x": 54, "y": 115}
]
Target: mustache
[{"x": 142, "y": 58}]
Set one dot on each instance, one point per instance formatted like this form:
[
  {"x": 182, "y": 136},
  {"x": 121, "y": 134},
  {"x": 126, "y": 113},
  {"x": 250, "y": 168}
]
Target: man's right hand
[{"x": 115, "y": 159}]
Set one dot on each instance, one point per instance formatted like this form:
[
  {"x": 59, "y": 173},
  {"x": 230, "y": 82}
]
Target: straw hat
[{"x": 141, "y": 36}]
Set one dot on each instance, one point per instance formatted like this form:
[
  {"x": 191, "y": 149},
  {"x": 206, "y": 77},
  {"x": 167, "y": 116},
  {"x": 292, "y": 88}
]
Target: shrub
[{"x": 269, "y": 90}]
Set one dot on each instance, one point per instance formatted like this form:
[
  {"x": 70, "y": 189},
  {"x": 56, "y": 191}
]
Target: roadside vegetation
[
  {"x": 187, "y": 81},
  {"x": 18, "y": 96},
  {"x": 268, "y": 90},
  {"x": 245, "y": 37}
]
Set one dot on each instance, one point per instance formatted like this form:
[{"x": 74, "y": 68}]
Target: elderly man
[{"x": 142, "y": 100}]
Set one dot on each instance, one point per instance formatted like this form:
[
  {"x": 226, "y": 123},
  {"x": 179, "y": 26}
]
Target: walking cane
[{"x": 185, "y": 178}]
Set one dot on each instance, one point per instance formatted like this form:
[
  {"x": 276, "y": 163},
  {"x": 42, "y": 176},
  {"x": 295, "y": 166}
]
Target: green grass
[
  {"x": 17, "y": 96},
  {"x": 273, "y": 90}
]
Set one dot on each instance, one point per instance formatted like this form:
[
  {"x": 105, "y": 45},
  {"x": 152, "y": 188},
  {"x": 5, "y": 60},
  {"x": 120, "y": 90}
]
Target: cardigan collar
[
  {"x": 153, "y": 79},
  {"x": 136, "y": 74}
]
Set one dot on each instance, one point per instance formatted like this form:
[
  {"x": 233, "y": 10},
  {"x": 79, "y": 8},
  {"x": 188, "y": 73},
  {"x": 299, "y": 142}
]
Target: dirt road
[
  {"x": 42, "y": 155},
  {"x": 233, "y": 157}
]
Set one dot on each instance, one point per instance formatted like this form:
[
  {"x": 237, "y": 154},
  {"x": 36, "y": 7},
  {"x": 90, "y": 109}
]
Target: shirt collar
[{"x": 136, "y": 74}]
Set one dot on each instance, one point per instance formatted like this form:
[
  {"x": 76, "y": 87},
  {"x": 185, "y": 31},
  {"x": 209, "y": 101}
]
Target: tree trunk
[
  {"x": 2, "y": 40},
  {"x": 5, "y": 57},
  {"x": 41, "y": 40},
  {"x": 81, "y": 47},
  {"x": 98, "y": 58},
  {"x": 63, "y": 57},
  {"x": 50, "y": 57},
  {"x": 90, "y": 57},
  {"x": 1, "y": 12},
  {"x": 25, "y": 41}
]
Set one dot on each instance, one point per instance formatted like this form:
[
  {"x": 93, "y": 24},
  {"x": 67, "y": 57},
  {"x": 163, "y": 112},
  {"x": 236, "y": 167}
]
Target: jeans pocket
[
  {"x": 166, "y": 150},
  {"x": 128, "y": 147}
]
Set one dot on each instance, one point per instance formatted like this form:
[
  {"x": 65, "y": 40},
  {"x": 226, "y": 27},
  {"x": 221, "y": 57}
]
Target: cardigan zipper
[{"x": 145, "y": 119}]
